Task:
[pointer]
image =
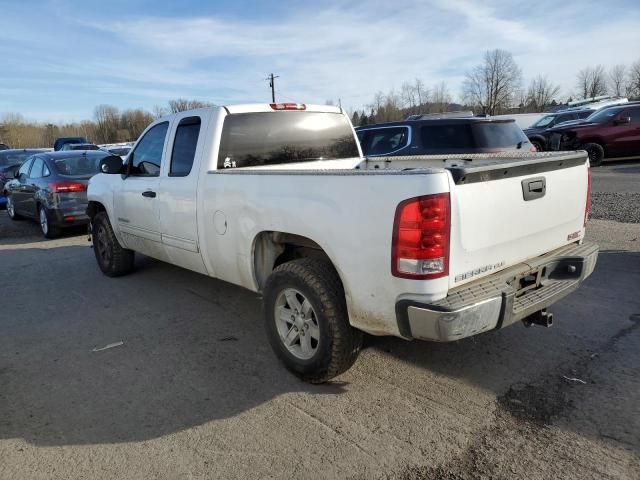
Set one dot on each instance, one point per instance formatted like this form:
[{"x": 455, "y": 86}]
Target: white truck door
[
  {"x": 179, "y": 182},
  {"x": 136, "y": 204}
]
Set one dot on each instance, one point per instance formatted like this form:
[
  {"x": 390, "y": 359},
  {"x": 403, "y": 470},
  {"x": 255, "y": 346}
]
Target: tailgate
[{"x": 503, "y": 213}]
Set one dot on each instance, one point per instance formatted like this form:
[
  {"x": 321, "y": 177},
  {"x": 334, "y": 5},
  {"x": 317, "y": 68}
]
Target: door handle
[{"x": 149, "y": 194}]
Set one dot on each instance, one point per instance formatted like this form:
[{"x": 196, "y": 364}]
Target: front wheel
[
  {"x": 306, "y": 320},
  {"x": 595, "y": 152},
  {"x": 538, "y": 144},
  {"x": 112, "y": 258}
]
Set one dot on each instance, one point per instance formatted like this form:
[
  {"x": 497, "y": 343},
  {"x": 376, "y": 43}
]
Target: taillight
[
  {"x": 2, "y": 176},
  {"x": 587, "y": 206},
  {"x": 421, "y": 229},
  {"x": 67, "y": 187},
  {"x": 288, "y": 106}
]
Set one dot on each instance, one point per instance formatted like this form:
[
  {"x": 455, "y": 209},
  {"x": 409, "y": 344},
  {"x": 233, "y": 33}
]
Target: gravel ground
[{"x": 619, "y": 207}]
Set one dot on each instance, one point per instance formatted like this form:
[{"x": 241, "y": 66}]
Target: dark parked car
[
  {"x": 60, "y": 142},
  {"x": 537, "y": 133},
  {"x": 10, "y": 161},
  {"x": 613, "y": 132},
  {"x": 51, "y": 188},
  {"x": 4, "y": 146},
  {"x": 432, "y": 136},
  {"x": 79, "y": 146}
]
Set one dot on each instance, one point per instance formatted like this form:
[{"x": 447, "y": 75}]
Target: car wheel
[
  {"x": 595, "y": 152},
  {"x": 47, "y": 226},
  {"x": 538, "y": 144},
  {"x": 11, "y": 209},
  {"x": 306, "y": 320},
  {"x": 112, "y": 258}
]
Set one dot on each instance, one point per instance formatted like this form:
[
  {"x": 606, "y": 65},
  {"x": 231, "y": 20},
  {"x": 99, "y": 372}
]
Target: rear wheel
[
  {"x": 11, "y": 209},
  {"x": 306, "y": 320},
  {"x": 112, "y": 258},
  {"x": 47, "y": 225},
  {"x": 595, "y": 152}
]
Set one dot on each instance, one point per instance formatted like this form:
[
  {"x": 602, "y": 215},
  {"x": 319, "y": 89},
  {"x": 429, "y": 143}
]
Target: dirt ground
[{"x": 195, "y": 391}]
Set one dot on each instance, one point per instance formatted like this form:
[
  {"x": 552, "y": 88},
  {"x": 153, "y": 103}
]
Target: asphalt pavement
[{"x": 194, "y": 391}]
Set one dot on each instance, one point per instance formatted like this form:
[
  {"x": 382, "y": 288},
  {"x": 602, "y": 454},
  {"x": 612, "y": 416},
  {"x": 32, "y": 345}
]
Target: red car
[{"x": 613, "y": 132}]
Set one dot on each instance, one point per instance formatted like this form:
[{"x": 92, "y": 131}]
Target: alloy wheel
[{"x": 297, "y": 324}]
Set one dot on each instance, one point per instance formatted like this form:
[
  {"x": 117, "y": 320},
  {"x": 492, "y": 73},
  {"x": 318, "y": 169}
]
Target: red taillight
[
  {"x": 420, "y": 248},
  {"x": 587, "y": 206},
  {"x": 67, "y": 187},
  {"x": 288, "y": 106}
]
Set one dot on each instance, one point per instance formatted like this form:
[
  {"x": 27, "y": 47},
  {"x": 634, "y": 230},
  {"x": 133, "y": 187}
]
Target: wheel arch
[{"x": 273, "y": 248}]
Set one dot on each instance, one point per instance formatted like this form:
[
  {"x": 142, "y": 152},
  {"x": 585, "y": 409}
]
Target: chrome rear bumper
[{"x": 499, "y": 299}]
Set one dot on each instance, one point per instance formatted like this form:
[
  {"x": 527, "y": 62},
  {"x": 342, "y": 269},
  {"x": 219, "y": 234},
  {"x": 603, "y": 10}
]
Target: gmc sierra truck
[{"x": 277, "y": 198}]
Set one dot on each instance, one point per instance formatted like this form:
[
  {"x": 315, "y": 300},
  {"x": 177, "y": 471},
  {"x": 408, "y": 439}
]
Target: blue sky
[{"x": 59, "y": 59}]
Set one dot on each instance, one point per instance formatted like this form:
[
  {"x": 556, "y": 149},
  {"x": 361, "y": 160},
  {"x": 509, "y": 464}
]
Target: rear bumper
[
  {"x": 499, "y": 300},
  {"x": 70, "y": 217}
]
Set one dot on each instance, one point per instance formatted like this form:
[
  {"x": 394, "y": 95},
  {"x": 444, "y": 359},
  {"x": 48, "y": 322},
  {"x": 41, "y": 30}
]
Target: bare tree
[
  {"x": 107, "y": 120},
  {"x": 493, "y": 84},
  {"x": 540, "y": 93},
  {"x": 592, "y": 82},
  {"x": 408, "y": 96},
  {"x": 181, "y": 104},
  {"x": 440, "y": 98},
  {"x": 633, "y": 80},
  {"x": 617, "y": 79},
  {"x": 132, "y": 124},
  {"x": 422, "y": 93}
]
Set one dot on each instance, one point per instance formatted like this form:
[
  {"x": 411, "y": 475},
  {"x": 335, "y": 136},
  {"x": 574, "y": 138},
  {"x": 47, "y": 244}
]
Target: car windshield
[
  {"x": 603, "y": 116},
  {"x": 544, "y": 121},
  {"x": 270, "y": 138},
  {"x": 13, "y": 158},
  {"x": 78, "y": 165}
]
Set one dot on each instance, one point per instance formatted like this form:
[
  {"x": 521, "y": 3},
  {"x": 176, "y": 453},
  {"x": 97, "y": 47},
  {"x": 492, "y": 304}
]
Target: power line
[{"x": 272, "y": 84}]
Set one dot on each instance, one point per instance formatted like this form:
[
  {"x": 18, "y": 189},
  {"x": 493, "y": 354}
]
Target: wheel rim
[
  {"x": 593, "y": 155},
  {"x": 537, "y": 145},
  {"x": 44, "y": 224},
  {"x": 103, "y": 246},
  {"x": 297, "y": 324},
  {"x": 10, "y": 209}
]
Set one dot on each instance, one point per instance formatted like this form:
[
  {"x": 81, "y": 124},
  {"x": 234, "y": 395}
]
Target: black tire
[
  {"x": 47, "y": 223},
  {"x": 339, "y": 343},
  {"x": 11, "y": 209},
  {"x": 112, "y": 258},
  {"x": 538, "y": 144},
  {"x": 595, "y": 152}
]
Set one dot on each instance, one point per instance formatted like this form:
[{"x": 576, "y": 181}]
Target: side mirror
[
  {"x": 111, "y": 165},
  {"x": 622, "y": 120}
]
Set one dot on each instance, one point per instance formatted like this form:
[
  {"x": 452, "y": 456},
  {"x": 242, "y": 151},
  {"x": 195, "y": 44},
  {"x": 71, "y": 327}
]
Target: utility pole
[{"x": 272, "y": 84}]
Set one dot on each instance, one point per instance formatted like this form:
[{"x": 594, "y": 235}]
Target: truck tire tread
[
  {"x": 345, "y": 342},
  {"x": 122, "y": 258}
]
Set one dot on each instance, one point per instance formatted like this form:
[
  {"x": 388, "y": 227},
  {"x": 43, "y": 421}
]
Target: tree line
[
  {"x": 109, "y": 125},
  {"x": 495, "y": 86}
]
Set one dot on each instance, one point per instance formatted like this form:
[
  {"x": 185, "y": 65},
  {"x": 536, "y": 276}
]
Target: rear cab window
[
  {"x": 273, "y": 138},
  {"x": 448, "y": 137},
  {"x": 384, "y": 140},
  {"x": 184, "y": 146}
]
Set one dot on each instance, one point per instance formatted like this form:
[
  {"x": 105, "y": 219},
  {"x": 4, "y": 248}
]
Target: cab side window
[
  {"x": 184, "y": 146},
  {"x": 146, "y": 159}
]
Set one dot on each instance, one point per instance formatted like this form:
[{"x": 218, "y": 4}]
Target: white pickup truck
[{"x": 277, "y": 198}]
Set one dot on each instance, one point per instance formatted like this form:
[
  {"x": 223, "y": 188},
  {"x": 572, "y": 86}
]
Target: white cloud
[{"x": 348, "y": 50}]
